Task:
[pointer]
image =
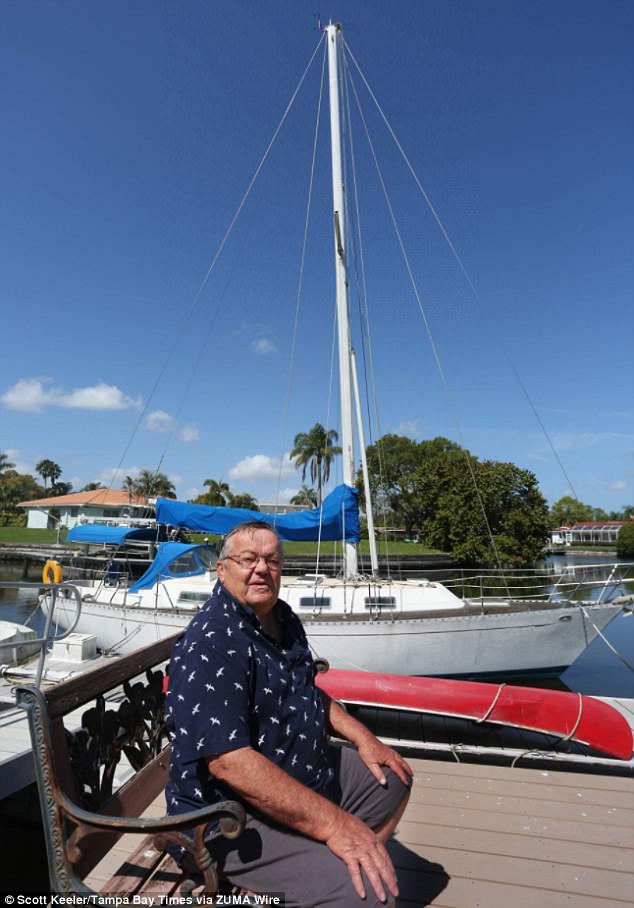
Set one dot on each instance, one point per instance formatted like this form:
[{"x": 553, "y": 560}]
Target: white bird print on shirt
[
  {"x": 200, "y": 744},
  {"x": 278, "y": 750},
  {"x": 275, "y": 721},
  {"x": 214, "y": 720},
  {"x": 192, "y": 675},
  {"x": 181, "y": 698},
  {"x": 209, "y": 686},
  {"x": 196, "y": 709},
  {"x": 261, "y": 740},
  {"x": 204, "y": 657},
  {"x": 237, "y": 685},
  {"x": 233, "y": 734},
  {"x": 267, "y": 690},
  {"x": 220, "y": 671}
]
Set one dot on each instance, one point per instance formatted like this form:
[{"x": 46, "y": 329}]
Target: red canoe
[{"x": 567, "y": 715}]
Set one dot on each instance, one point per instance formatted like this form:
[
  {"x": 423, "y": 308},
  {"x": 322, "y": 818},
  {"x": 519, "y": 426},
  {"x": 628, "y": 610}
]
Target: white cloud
[
  {"x": 13, "y": 456},
  {"x": 116, "y": 475},
  {"x": 260, "y": 466},
  {"x": 32, "y": 395},
  {"x": 618, "y": 485},
  {"x": 159, "y": 421},
  {"x": 285, "y": 495},
  {"x": 407, "y": 427},
  {"x": 263, "y": 346},
  {"x": 189, "y": 434}
]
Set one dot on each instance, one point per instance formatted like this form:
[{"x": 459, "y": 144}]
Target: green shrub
[{"x": 625, "y": 540}]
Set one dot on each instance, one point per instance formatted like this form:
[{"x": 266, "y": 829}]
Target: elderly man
[{"x": 248, "y": 723}]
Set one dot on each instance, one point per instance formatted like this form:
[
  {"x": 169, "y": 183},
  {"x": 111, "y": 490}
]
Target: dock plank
[{"x": 493, "y": 836}]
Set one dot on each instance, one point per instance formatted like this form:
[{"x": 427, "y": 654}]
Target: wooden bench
[{"x": 83, "y": 817}]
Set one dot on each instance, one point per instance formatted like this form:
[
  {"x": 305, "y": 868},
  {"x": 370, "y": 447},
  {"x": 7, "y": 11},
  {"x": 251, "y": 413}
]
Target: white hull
[{"x": 428, "y": 631}]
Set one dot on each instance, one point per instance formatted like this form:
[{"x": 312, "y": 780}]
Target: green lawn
[
  {"x": 22, "y": 536},
  {"x": 329, "y": 548}
]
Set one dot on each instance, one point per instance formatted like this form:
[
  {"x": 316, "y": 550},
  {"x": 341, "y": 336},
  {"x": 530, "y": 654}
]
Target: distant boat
[{"x": 369, "y": 623}]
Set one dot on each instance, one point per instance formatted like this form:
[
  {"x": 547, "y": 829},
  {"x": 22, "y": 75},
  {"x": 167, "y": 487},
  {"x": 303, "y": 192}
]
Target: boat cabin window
[
  {"x": 382, "y": 601},
  {"x": 193, "y": 596},
  {"x": 192, "y": 562},
  {"x": 315, "y": 602}
]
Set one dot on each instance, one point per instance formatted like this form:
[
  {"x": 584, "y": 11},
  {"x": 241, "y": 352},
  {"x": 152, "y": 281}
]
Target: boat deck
[{"x": 495, "y": 837}]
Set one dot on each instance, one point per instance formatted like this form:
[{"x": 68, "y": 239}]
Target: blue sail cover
[
  {"x": 101, "y": 534},
  {"x": 176, "y": 559},
  {"x": 337, "y": 519}
]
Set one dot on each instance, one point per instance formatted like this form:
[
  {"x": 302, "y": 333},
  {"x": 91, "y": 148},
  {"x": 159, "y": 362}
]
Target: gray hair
[{"x": 249, "y": 526}]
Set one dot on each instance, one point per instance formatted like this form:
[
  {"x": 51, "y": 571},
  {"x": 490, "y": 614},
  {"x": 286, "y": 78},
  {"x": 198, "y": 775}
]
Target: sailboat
[{"x": 360, "y": 622}]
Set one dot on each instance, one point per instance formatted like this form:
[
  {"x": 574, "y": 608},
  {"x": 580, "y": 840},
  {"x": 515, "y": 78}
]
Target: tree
[
  {"x": 15, "y": 487},
  {"x": 243, "y": 500},
  {"x": 440, "y": 492},
  {"x": 151, "y": 484},
  {"x": 129, "y": 486},
  {"x": 314, "y": 451},
  {"x": 306, "y": 497},
  {"x": 91, "y": 487},
  {"x": 217, "y": 495},
  {"x": 569, "y": 510},
  {"x": 625, "y": 540},
  {"x": 5, "y": 463},
  {"x": 48, "y": 469},
  {"x": 60, "y": 488}
]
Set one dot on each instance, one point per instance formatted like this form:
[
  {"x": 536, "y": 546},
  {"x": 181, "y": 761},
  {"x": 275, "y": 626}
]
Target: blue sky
[{"x": 130, "y": 134}]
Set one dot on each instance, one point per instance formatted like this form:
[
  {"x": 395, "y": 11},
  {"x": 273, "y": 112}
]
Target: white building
[{"x": 97, "y": 506}]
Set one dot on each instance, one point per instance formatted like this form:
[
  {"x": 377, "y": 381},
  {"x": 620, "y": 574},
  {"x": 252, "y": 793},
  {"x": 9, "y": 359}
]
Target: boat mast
[{"x": 333, "y": 36}]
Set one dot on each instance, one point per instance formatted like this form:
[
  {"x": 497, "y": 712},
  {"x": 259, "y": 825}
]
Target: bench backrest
[{"x": 80, "y": 765}]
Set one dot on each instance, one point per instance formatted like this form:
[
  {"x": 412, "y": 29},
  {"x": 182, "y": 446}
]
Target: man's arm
[
  {"x": 275, "y": 793},
  {"x": 373, "y": 752}
]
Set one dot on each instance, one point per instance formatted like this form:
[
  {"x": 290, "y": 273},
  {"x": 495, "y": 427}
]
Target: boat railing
[
  {"x": 597, "y": 582},
  {"x": 49, "y": 636}
]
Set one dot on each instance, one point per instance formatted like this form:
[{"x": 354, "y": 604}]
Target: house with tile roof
[{"x": 96, "y": 506}]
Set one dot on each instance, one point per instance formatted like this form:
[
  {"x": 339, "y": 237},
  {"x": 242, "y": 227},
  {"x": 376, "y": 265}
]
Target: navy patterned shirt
[{"x": 231, "y": 685}]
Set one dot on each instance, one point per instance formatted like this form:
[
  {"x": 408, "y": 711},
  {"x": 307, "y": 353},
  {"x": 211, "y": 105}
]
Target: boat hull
[{"x": 543, "y": 640}]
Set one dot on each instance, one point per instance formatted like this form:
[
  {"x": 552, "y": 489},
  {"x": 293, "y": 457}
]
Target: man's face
[{"x": 258, "y": 586}]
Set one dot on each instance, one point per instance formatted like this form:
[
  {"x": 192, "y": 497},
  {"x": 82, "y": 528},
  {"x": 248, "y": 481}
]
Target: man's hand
[
  {"x": 375, "y": 755},
  {"x": 359, "y": 848}
]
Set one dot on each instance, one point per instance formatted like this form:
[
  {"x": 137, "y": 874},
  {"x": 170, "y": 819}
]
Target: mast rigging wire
[
  {"x": 213, "y": 264},
  {"x": 463, "y": 268}
]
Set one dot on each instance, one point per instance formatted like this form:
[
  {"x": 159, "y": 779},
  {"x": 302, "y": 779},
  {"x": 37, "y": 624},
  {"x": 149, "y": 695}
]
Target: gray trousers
[{"x": 269, "y": 858}]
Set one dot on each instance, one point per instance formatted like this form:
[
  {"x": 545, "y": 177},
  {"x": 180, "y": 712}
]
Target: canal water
[{"x": 598, "y": 671}]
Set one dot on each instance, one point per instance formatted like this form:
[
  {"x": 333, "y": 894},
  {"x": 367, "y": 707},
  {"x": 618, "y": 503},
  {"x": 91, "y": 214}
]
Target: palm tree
[
  {"x": 150, "y": 484},
  {"x": 315, "y": 450},
  {"x": 5, "y": 463},
  {"x": 243, "y": 500},
  {"x": 48, "y": 469},
  {"x": 129, "y": 486},
  {"x": 306, "y": 496},
  {"x": 217, "y": 494}
]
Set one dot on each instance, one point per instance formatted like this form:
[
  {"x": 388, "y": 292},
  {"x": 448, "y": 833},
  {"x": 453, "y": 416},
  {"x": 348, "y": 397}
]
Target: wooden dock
[{"x": 476, "y": 836}]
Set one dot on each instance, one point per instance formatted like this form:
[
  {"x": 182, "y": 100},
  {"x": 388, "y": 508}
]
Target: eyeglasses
[{"x": 248, "y": 561}]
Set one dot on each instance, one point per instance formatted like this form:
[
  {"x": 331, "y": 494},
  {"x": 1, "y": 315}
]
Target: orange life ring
[{"x": 52, "y": 572}]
